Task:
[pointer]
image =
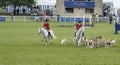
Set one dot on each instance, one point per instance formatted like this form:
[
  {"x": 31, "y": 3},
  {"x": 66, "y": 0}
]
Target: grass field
[{"x": 20, "y": 44}]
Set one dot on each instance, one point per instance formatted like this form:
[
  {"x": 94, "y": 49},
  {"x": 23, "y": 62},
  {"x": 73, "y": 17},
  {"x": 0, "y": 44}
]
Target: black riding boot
[
  {"x": 49, "y": 34},
  {"x": 75, "y": 35}
]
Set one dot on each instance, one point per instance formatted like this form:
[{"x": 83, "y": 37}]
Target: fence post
[
  {"x": 14, "y": 18},
  {"x": 83, "y": 21},
  {"x": 24, "y": 18},
  {"x": 65, "y": 21}
]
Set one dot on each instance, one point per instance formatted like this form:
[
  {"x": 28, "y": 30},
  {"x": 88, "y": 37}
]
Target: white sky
[
  {"x": 116, "y": 3},
  {"x": 46, "y": 2}
]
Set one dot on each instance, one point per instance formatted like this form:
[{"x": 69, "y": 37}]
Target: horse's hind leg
[
  {"x": 46, "y": 41},
  {"x": 43, "y": 41},
  {"x": 51, "y": 41},
  {"x": 52, "y": 34},
  {"x": 79, "y": 42}
]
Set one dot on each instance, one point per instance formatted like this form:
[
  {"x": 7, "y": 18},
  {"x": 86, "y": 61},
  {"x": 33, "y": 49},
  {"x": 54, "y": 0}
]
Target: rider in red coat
[
  {"x": 78, "y": 26},
  {"x": 47, "y": 26}
]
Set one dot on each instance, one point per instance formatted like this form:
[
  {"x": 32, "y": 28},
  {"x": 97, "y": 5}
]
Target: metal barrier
[
  {"x": 51, "y": 18},
  {"x": 2, "y": 19},
  {"x": 72, "y": 19}
]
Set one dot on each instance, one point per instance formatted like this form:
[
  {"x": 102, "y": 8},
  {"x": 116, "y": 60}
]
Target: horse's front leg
[
  {"x": 50, "y": 39},
  {"x": 79, "y": 41},
  {"x": 46, "y": 41},
  {"x": 43, "y": 41}
]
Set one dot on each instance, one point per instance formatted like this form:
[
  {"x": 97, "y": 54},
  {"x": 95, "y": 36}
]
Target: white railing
[{"x": 42, "y": 18}]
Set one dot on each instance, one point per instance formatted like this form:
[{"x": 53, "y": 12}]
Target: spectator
[
  {"x": 24, "y": 10},
  {"x": 58, "y": 18},
  {"x": 110, "y": 18},
  {"x": 12, "y": 16},
  {"x": 93, "y": 17},
  {"x": 18, "y": 11},
  {"x": 14, "y": 13},
  {"x": 90, "y": 19},
  {"x": 97, "y": 17}
]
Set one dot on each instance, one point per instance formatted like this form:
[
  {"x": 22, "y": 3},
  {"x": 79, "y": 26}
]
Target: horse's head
[{"x": 40, "y": 30}]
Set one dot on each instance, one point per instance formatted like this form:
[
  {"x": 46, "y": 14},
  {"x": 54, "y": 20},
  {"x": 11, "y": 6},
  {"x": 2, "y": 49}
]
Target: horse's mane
[{"x": 43, "y": 31}]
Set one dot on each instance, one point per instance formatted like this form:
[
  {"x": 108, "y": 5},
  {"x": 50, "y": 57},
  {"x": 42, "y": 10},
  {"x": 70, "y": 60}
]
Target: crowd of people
[{"x": 109, "y": 18}]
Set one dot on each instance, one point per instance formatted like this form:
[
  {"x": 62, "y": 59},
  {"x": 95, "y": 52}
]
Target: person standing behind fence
[
  {"x": 44, "y": 16},
  {"x": 12, "y": 16},
  {"x": 18, "y": 11},
  {"x": 24, "y": 10},
  {"x": 90, "y": 19},
  {"x": 115, "y": 18},
  {"x": 78, "y": 26},
  {"x": 93, "y": 17},
  {"x": 110, "y": 18},
  {"x": 97, "y": 17}
]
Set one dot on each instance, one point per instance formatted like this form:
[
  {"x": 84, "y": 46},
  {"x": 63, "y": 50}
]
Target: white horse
[
  {"x": 46, "y": 38},
  {"x": 80, "y": 36}
]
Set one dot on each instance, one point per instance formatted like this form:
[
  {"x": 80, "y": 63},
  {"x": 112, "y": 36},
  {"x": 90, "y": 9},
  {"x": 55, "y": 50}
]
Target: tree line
[
  {"x": 28, "y": 3},
  {"x": 17, "y": 3}
]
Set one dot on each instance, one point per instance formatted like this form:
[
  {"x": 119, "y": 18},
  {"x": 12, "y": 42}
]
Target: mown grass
[{"x": 20, "y": 44}]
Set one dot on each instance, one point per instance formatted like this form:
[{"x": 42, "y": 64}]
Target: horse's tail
[{"x": 52, "y": 34}]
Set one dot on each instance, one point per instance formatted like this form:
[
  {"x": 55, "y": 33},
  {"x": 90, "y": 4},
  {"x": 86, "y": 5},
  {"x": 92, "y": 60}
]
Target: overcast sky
[
  {"x": 44, "y": 2},
  {"x": 107, "y": 0},
  {"x": 116, "y": 3}
]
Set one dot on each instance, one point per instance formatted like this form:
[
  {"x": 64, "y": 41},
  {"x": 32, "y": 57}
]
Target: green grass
[{"x": 20, "y": 44}]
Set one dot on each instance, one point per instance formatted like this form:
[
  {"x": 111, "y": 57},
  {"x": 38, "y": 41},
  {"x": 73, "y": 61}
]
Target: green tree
[
  {"x": 4, "y": 3},
  {"x": 28, "y": 3},
  {"x": 18, "y": 3}
]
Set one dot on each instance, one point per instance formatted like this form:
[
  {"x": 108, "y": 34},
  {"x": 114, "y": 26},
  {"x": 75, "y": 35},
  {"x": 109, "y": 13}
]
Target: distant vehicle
[
  {"x": 35, "y": 14},
  {"x": 49, "y": 12}
]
